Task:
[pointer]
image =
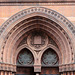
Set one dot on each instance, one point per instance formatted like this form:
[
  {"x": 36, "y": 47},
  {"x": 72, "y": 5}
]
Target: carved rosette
[{"x": 37, "y": 40}]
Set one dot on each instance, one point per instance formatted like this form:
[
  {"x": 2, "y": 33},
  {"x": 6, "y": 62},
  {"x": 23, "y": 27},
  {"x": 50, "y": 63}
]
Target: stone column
[
  {"x": 61, "y": 74},
  {"x": 64, "y": 73},
  {"x": 37, "y": 74},
  {"x": 5, "y": 73},
  {"x": 9, "y": 73},
  {"x": 72, "y": 73},
  {"x": 2, "y": 73},
  {"x": 68, "y": 73},
  {"x": 13, "y": 73}
]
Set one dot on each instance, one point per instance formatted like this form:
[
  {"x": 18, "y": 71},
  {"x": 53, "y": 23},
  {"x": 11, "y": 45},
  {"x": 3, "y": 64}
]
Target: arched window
[
  {"x": 25, "y": 57},
  {"x": 50, "y": 58}
]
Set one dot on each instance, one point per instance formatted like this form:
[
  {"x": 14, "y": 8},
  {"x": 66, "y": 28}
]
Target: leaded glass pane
[
  {"x": 25, "y": 57},
  {"x": 50, "y": 58}
]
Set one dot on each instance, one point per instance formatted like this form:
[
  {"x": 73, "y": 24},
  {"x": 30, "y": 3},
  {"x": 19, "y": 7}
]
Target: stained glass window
[
  {"x": 50, "y": 58},
  {"x": 25, "y": 57}
]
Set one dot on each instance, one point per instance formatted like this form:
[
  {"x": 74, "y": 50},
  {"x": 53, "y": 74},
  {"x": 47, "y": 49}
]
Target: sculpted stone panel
[
  {"x": 37, "y": 40},
  {"x": 51, "y": 41},
  {"x": 24, "y": 41}
]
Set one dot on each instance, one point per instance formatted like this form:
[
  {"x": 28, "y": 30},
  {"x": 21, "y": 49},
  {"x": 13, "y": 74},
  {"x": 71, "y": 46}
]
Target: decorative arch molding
[
  {"x": 58, "y": 27},
  {"x": 53, "y": 15},
  {"x": 16, "y": 41},
  {"x": 37, "y": 11},
  {"x": 29, "y": 28}
]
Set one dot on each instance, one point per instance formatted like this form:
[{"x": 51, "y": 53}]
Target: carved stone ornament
[{"x": 37, "y": 40}]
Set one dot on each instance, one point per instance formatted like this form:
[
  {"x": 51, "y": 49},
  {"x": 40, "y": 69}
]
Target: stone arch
[
  {"x": 13, "y": 35},
  {"x": 7, "y": 44},
  {"x": 38, "y": 9},
  {"x": 59, "y": 28}
]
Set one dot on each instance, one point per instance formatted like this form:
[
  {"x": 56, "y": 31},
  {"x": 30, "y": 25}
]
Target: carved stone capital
[
  {"x": 7, "y": 67},
  {"x": 37, "y": 68},
  {"x": 66, "y": 67}
]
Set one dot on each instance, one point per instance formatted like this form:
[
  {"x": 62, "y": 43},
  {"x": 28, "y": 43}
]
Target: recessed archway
[
  {"x": 14, "y": 30},
  {"x": 44, "y": 25}
]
